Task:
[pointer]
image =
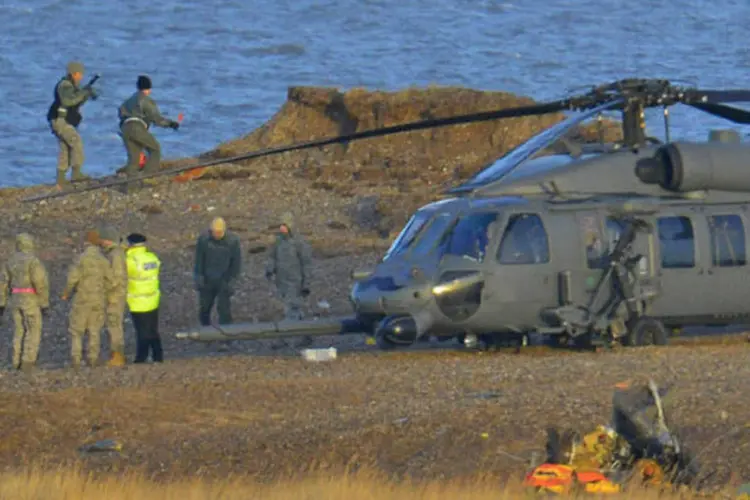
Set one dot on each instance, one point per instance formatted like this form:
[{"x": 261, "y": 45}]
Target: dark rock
[
  {"x": 336, "y": 225},
  {"x": 151, "y": 209},
  {"x": 365, "y": 213}
]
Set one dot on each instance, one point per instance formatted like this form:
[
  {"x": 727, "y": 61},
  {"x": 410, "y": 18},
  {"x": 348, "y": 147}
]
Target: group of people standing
[
  {"x": 110, "y": 275},
  {"x": 136, "y": 114},
  {"x": 104, "y": 278}
]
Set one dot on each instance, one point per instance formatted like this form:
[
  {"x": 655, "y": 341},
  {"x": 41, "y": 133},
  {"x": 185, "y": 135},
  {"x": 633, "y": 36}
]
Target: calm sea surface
[{"x": 227, "y": 64}]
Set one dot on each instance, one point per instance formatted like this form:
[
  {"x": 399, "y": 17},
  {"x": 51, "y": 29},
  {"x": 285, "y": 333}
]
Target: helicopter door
[
  {"x": 520, "y": 280},
  {"x": 684, "y": 295},
  {"x": 726, "y": 263},
  {"x": 463, "y": 251},
  {"x": 600, "y": 234}
]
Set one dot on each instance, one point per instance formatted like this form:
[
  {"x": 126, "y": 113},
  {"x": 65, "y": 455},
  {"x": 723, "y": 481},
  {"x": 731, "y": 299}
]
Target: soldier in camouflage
[
  {"x": 90, "y": 279},
  {"x": 24, "y": 278},
  {"x": 137, "y": 114},
  {"x": 288, "y": 264},
  {"x": 64, "y": 116},
  {"x": 116, "y": 294}
]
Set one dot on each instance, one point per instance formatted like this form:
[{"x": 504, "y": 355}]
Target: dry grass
[
  {"x": 431, "y": 416},
  {"x": 74, "y": 484}
]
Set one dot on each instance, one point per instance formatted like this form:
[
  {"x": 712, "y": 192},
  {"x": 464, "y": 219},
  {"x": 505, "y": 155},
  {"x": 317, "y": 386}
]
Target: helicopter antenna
[{"x": 666, "y": 124}]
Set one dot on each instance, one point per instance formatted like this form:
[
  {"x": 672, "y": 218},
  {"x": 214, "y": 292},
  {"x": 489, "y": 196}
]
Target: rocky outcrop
[{"x": 425, "y": 158}]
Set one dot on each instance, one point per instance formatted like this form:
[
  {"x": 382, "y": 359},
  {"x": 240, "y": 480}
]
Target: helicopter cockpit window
[
  {"x": 524, "y": 241},
  {"x": 432, "y": 234},
  {"x": 727, "y": 240},
  {"x": 676, "y": 242},
  {"x": 597, "y": 250},
  {"x": 470, "y": 236},
  {"x": 408, "y": 234}
]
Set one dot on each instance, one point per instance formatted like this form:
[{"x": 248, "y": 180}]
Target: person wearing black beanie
[{"x": 137, "y": 114}]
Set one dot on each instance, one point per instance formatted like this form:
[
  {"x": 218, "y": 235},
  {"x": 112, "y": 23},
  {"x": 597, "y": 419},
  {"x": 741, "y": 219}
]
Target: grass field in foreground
[{"x": 72, "y": 484}]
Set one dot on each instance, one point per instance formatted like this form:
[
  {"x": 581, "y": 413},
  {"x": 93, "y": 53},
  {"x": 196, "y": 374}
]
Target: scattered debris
[
  {"x": 151, "y": 209},
  {"x": 637, "y": 447},
  {"x": 333, "y": 224},
  {"x": 486, "y": 395},
  {"x": 104, "y": 445},
  {"x": 319, "y": 354}
]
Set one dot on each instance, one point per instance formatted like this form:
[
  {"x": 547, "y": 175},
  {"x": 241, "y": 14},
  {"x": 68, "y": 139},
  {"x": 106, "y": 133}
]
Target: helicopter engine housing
[{"x": 686, "y": 166}]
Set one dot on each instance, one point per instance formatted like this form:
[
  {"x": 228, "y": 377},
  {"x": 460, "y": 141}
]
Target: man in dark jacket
[
  {"x": 289, "y": 262},
  {"x": 137, "y": 114},
  {"x": 218, "y": 262}
]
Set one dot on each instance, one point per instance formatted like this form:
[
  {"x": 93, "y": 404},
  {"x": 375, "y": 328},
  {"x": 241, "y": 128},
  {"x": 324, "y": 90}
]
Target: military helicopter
[{"x": 587, "y": 244}]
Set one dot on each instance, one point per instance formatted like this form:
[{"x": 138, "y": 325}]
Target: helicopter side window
[
  {"x": 676, "y": 242},
  {"x": 524, "y": 241},
  {"x": 727, "y": 240},
  {"x": 470, "y": 236},
  {"x": 597, "y": 251}
]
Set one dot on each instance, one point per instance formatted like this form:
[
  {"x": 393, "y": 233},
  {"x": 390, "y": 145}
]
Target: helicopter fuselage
[{"x": 531, "y": 254}]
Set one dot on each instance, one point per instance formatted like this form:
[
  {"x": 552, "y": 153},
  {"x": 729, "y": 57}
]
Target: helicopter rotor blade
[
  {"x": 715, "y": 96},
  {"x": 517, "y": 112},
  {"x": 736, "y": 115}
]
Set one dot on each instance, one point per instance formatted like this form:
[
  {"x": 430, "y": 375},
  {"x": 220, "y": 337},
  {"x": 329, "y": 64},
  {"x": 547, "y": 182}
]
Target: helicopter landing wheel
[
  {"x": 646, "y": 331},
  {"x": 584, "y": 341},
  {"x": 384, "y": 343}
]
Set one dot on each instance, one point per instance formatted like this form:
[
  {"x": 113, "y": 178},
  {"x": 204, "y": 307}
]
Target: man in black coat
[{"x": 218, "y": 262}]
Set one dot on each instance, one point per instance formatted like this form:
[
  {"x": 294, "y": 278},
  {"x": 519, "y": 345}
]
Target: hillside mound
[{"x": 434, "y": 157}]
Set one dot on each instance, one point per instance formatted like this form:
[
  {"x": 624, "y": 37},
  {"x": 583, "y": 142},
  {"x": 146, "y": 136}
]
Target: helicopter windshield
[
  {"x": 408, "y": 234},
  {"x": 526, "y": 150},
  {"x": 432, "y": 234}
]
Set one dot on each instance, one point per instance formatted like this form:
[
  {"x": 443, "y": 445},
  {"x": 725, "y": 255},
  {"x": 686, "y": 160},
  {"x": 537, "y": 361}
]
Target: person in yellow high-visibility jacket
[{"x": 143, "y": 297}]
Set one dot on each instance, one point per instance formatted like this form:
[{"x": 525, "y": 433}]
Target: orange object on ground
[
  {"x": 558, "y": 478},
  {"x": 190, "y": 175},
  {"x": 142, "y": 160}
]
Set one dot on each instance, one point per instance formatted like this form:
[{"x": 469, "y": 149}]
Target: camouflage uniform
[
  {"x": 137, "y": 114},
  {"x": 90, "y": 277},
  {"x": 116, "y": 293},
  {"x": 289, "y": 262},
  {"x": 25, "y": 279},
  {"x": 64, "y": 117}
]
